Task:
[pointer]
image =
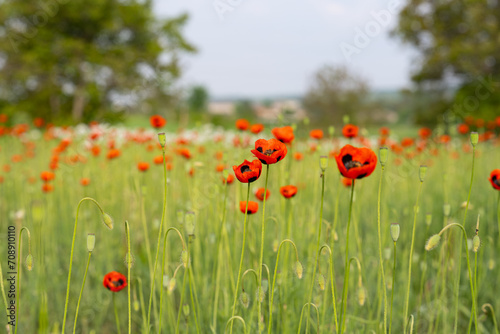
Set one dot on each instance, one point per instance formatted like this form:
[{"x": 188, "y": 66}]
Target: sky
[{"x": 265, "y": 48}]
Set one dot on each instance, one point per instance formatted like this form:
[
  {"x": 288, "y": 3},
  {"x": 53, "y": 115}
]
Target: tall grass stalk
[
  {"x": 261, "y": 257},
  {"x": 19, "y": 270}
]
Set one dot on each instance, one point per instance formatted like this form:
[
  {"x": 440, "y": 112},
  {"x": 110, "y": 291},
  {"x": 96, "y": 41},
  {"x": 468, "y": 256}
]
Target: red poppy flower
[
  {"x": 256, "y": 128},
  {"x": 424, "y": 133},
  {"x": 384, "y": 131},
  {"x": 288, "y": 191},
  {"x": 169, "y": 166},
  {"x": 248, "y": 172},
  {"x": 497, "y": 120},
  {"x": 85, "y": 181},
  {"x": 298, "y": 156},
  {"x": 242, "y": 124},
  {"x": 260, "y": 194},
  {"x": 253, "y": 207},
  {"x": 184, "y": 152},
  {"x": 356, "y": 163},
  {"x": 157, "y": 121},
  {"x": 269, "y": 151},
  {"x": 350, "y": 131},
  {"x": 346, "y": 182},
  {"x": 229, "y": 180},
  {"x": 316, "y": 134},
  {"x": 445, "y": 139},
  {"x": 284, "y": 134},
  {"x": 114, "y": 281},
  {"x": 463, "y": 129},
  {"x": 143, "y": 166},
  {"x": 38, "y": 122},
  {"x": 47, "y": 187},
  {"x": 113, "y": 153},
  {"x": 158, "y": 160},
  {"x": 220, "y": 167},
  {"x": 96, "y": 150},
  {"x": 495, "y": 179},
  {"x": 480, "y": 123},
  {"x": 407, "y": 142},
  {"x": 4, "y": 118},
  {"x": 47, "y": 176}
]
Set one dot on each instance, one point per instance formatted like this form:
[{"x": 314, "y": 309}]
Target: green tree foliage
[
  {"x": 198, "y": 99},
  {"x": 335, "y": 92},
  {"x": 458, "y": 44},
  {"x": 85, "y": 58}
]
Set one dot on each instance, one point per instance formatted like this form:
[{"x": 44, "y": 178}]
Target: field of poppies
[{"x": 276, "y": 228}]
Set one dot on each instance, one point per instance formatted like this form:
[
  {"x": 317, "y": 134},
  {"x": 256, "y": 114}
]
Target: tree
[
  {"x": 198, "y": 99},
  {"x": 85, "y": 58},
  {"x": 458, "y": 47},
  {"x": 335, "y": 92}
]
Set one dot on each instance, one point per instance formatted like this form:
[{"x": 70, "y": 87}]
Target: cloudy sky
[{"x": 260, "y": 48}]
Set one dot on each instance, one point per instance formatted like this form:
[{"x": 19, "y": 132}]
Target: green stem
[
  {"x": 129, "y": 266},
  {"x": 261, "y": 258},
  {"x": 116, "y": 315},
  {"x": 332, "y": 276},
  {"x": 407, "y": 299},
  {"x": 393, "y": 286},
  {"x": 19, "y": 269},
  {"x": 302, "y": 313},
  {"x": 498, "y": 216},
  {"x": 141, "y": 299},
  {"x": 242, "y": 255},
  {"x": 343, "y": 308},
  {"x": 181, "y": 302},
  {"x": 71, "y": 256},
  {"x": 159, "y": 237},
  {"x": 81, "y": 292},
  {"x": 492, "y": 315},
  {"x": 380, "y": 250}
]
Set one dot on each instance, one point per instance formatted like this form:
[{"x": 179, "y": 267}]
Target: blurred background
[{"x": 381, "y": 62}]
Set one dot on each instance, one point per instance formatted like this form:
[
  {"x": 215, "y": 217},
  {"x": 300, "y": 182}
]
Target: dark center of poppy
[
  {"x": 118, "y": 283},
  {"x": 495, "y": 180},
  {"x": 349, "y": 163},
  {"x": 245, "y": 168}
]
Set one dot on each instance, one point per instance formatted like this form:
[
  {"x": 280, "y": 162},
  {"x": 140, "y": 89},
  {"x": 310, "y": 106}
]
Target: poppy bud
[
  {"x": 395, "y": 229},
  {"x": 189, "y": 223},
  {"x": 129, "y": 261},
  {"x": 433, "y": 242},
  {"x": 185, "y": 258},
  {"x": 171, "y": 284},
  {"x": 361, "y": 295},
  {"x": 331, "y": 130},
  {"x": 276, "y": 244},
  {"x": 90, "y": 242},
  {"x": 422, "y": 172},
  {"x": 321, "y": 282},
  {"x": 299, "y": 269},
  {"x": 245, "y": 299},
  {"x": 474, "y": 138},
  {"x": 346, "y": 119},
  {"x": 136, "y": 305},
  {"x": 323, "y": 162},
  {"x": 261, "y": 294},
  {"x": 446, "y": 209},
  {"x": 428, "y": 219},
  {"x": 165, "y": 281},
  {"x": 383, "y": 153},
  {"x": 162, "y": 139},
  {"x": 476, "y": 242},
  {"x": 107, "y": 220},
  {"x": 186, "y": 310},
  {"x": 29, "y": 262}
]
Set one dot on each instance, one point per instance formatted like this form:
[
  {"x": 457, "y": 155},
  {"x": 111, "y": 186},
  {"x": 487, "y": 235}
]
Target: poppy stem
[
  {"x": 393, "y": 285},
  {"x": 259, "y": 288},
  {"x": 19, "y": 250},
  {"x": 242, "y": 255},
  {"x": 116, "y": 315},
  {"x": 381, "y": 259},
  {"x": 81, "y": 292},
  {"x": 343, "y": 308},
  {"x": 4, "y": 297},
  {"x": 129, "y": 266},
  {"x": 498, "y": 216}
]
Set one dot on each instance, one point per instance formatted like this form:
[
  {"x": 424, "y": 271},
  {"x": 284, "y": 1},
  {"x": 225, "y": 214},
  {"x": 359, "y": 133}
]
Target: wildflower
[
  {"x": 157, "y": 121},
  {"x": 143, "y": 166},
  {"x": 85, "y": 181},
  {"x": 298, "y": 156},
  {"x": 346, "y": 182},
  {"x": 47, "y": 187},
  {"x": 356, "y": 163},
  {"x": 384, "y": 132},
  {"x": 248, "y": 171},
  {"x": 463, "y": 129},
  {"x": 256, "y": 128},
  {"x": 260, "y": 194},
  {"x": 113, "y": 153},
  {"x": 229, "y": 179},
  {"x": 158, "y": 160},
  {"x": 47, "y": 176},
  {"x": 269, "y": 151},
  {"x": 242, "y": 124},
  {"x": 284, "y": 134},
  {"x": 288, "y": 191},
  {"x": 114, "y": 281},
  {"x": 424, "y": 133},
  {"x": 316, "y": 134},
  {"x": 253, "y": 207},
  {"x": 350, "y": 131},
  {"x": 495, "y": 179}
]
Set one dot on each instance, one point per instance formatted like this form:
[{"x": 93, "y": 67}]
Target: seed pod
[
  {"x": 245, "y": 299},
  {"x": 331, "y": 130},
  {"x": 474, "y": 138},
  {"x": 395, "y": 229},
  {"x": 261, "y": 295},
  {"x": 361, "y": 295},
  {"x": 185, "y": 258},
  {"x": 321, "y": 282},
  {"x": 446, "y": 209},
  {"x": 306, "y": 121},
  {"x": 162, "y": 139},
  {"x": 422, "y": 172},
  {"x": 299, "y": 269},
  {"x": 29, "y": 262},
  {"x": 136, "y": 305},
  {"x": 107, "y": 220},
  {"x": 433, "y": 242},
  {"x": 323, "y": 162},
  {"x": 189, "y": 221},
  {"x": 185, "y": 310},
  {"x": 383, "y": 153},
  {"x": 90, "y": 242},
  {"x": 476, "y": 243},
  {"x": 171, "y": 284},
  {"x": 345, "y": 118}
]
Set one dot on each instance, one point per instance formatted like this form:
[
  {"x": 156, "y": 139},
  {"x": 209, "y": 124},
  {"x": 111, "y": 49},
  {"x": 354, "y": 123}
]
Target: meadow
[{"x": 100, "y": 199}]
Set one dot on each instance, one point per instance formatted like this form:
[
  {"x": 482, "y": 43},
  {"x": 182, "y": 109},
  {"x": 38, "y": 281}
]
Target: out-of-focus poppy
[
  {"x": 253, "y": 207},
  {"x": 157, "y": 121},
  {"x": 114, "y": 281},
  {"x": 4, "y": 118},
  {"x": 47, "y": 176},
  {"x": 288, "y": 191},
  {"x": 38, "y": 122},
  {"x": 6, "y": 168},
  {"x": 350, "y": 131},
  {"x": 497, "y": 120},
  {"x": 220, "y": 167},
  {"x": 85, "y": 181},
  {"x": 407, "y": 142},
  {"x": 269, "y": 151},
  {"x": 463, "y": 129},
  {"x": 298, "y": 156},
  {"x": 16, "y": 158},
  {"x": 346, "y": 182},
  {"x": 229, "y": 180},
  {"x": 242, "y": 124},
  {"x": 256, "y": 128},
  {"x": 316, "y": 134},
  {"x": 184, "y": 152},
  {"x": 47, "y": 187},
  {"x": 96, "y": 150},
  {"x": 113, "y": 153},
  {"x": 169, "y": 166},
  {"x": 480, "y": 123},
  {"x": 260, "y": 194},
  {"x": 445, "y": 139},
  {"x": 219, "y": 155},
  {"x": 284, "y": 134},
  {"x": 384, "y": 131},
  {"x": 424, "y": 133},
  {"x": 495, "y": 179},
  {"x": 158, "y": 160},
  {"x": 143, "y": 166},
  {"x": 248, "y": 172},
  {"x": 356, "y": 163}
]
